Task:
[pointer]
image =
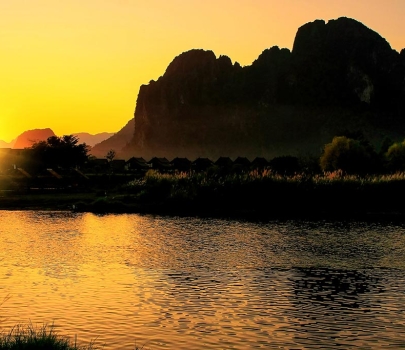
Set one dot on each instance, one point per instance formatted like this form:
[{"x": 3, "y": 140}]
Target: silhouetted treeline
[{"x": 349, "y": 152}]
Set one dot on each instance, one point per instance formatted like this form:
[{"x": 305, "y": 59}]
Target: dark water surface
[{"x": 189, "y": 283}]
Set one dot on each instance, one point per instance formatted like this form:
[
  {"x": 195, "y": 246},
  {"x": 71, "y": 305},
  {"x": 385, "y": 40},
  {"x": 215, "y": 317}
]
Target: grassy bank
[
  {"x": 261, "y": 194},
  {"x": 29, "y": 337},
  {"x": 267, "y": 194}
]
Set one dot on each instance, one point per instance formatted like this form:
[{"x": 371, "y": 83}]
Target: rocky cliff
[{"x": 339, "y": 75}]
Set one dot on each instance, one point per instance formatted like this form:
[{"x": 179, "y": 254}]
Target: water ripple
[{"x": 190, "y": 283}]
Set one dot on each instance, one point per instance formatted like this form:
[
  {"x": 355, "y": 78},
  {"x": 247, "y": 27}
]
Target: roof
[
  {"x": 224, "y": 161},
  {"x": 139, "y": 162},
  {"x": 136, "y": 159},
  {"x": 179, "y": 159},
  {"x": 160, "y": 163},
  {"x": 202, "y": 163},
  {"x": 182, "y": 164},
  {"x": 241, "y": 161},
  {"x": 260, "y": 161}
]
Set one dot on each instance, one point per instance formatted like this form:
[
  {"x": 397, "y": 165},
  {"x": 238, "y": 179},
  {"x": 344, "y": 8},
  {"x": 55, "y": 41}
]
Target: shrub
[
  {"x": 346, "y": 154},
  {"x": 395, "y": 156}
]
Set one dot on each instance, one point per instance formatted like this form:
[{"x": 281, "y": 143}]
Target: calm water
[{"x": 187, "y": 283}]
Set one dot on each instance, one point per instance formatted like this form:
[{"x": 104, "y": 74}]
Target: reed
[
  {"x": 44, "y": 337},
  {"x": 266, "y": 191},
  {"x": 30, "y": 337}
]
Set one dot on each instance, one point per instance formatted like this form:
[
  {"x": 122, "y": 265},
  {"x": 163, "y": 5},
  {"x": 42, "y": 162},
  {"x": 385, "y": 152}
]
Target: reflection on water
[
  {"x": 346, "y": 307},
  {"x": 190, "y": 283}
]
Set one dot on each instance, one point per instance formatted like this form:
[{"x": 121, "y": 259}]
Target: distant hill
[
  {"x": 340, "y": 75},
  {"x": 117, "y": 142},
  {"x": 4, "y": 144},
  {"x": 29, "y": 137},
  {"x": 92, "y": 139}
]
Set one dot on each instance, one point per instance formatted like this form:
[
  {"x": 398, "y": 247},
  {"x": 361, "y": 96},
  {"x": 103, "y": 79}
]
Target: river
[{"x": 189, "y": 283}]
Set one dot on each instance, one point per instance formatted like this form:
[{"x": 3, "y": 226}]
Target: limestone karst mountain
[
  {"x": 29, "y": 137},
  {"x": 339, "y": 75}
]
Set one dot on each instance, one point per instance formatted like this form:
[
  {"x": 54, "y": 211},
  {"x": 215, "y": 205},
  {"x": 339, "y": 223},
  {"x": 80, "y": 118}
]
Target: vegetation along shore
[
  {"x": 30, "y": 337},
  {"x": 44, "y": 337},
  {"x": 349, "y": 179}
]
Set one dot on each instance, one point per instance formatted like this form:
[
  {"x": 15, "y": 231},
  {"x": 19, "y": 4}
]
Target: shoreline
[{"x": 83, "y": 202}]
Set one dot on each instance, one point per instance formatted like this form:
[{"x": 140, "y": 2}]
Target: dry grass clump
[{"x": 29, "y": 337}]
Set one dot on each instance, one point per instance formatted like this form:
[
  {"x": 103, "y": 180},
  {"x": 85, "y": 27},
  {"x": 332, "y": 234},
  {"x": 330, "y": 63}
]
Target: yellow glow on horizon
[{"x": 76, "y": 66}]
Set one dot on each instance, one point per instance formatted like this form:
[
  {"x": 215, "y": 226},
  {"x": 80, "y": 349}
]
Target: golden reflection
[{"x": 183, "y": 283}]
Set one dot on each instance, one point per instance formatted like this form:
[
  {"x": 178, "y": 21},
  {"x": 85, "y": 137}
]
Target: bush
[
  {"x": 395, "y": 157},
  {"x": 348, "y": 155}
]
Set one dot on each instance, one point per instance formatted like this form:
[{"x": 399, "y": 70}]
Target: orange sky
[{"x": 77, "y": 65}]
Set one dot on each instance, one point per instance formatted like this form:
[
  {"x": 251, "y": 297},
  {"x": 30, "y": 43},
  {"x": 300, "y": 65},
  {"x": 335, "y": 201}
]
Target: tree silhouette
[
  {"x": 59, "y": 152},
  {"x": 110, "y": 155},
  {"x": 395, "y": 156},
  {"x": 346, "y": 154}
]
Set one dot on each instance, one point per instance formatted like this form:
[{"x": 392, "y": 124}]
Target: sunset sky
[{"x": 77, "y": 65}]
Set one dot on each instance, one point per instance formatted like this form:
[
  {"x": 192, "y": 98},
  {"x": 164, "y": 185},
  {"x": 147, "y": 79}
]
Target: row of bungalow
[
  {"x": 139, "y": 164},
  {"x": 199, "y": 164},
  {"x": 12, "y": 159},
  {"x": 15, "y": 158}
]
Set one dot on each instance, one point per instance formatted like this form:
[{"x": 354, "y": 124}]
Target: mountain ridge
[
  {"x": 116, "y": 142},
  {"x": 93, "y": 139},
  {"x": 339, "y": 75},
  {"x": 28, "y": 137}
]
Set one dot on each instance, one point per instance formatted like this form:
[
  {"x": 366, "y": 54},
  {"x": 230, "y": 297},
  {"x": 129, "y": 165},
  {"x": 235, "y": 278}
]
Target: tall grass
[
  {"x": 29, "y": 337},
  {"x": 155, "y": 179},
  {"x": 267, "y": 191}
]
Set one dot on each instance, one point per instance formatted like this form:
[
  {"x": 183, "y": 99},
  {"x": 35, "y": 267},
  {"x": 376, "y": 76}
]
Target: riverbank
[
  {"x": 245, "y": 195},
  {"x": 288, "y": 206}
]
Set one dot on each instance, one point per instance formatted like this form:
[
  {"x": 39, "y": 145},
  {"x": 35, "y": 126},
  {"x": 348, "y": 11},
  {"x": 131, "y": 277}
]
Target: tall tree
[{"x": 60, "y": 152}]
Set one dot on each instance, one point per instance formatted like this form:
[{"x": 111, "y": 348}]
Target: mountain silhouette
[
  {"x": 339, "y": 75},
  {"x": 92, "y": 139},
  {"x": 117, "y": 142},
  {"x": 4, "y": 144},
  {"x": 29, "y": 137}
]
